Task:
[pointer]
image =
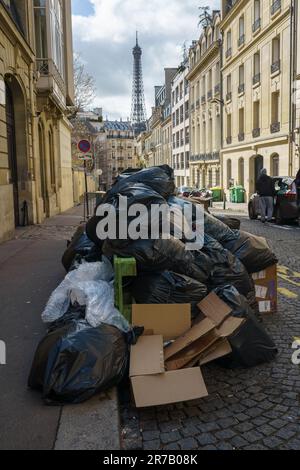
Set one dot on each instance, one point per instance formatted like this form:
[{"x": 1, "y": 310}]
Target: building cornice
[
  {"x": 9, "y": 28},
  {"x": 232, "y": 13},
  {"x": 257, "y": 143},
  {"x": 209, "y": 54},
  {"x": 257, "y": 38}
]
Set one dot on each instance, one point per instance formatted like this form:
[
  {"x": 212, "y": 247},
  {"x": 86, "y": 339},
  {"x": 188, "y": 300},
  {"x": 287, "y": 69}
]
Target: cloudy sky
[{"x": 104, "y": 35}]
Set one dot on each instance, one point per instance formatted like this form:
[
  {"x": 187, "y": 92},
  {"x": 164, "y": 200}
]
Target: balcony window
[
  {"x": 256, "y": 68},
  {"x": 40, "y": 23},
  {"x": 241, "y": 87},
  {"x": 229, "y": 128},
  {"x": 241, "y": 124},
  {"x": 257, "y": 18},
  {"x": 256, "y": 119},
  {"x": 275, "y": 7},
  {"x": 275, "y": 67},
  {"x": 241, "y": 39},
  {"x": 57, "y": 35},
  {"x": 229, "y": 45},
  {"x": 275, "y": 125}
]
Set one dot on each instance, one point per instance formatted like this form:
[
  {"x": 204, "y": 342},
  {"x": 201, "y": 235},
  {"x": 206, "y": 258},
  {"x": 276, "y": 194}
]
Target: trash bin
[
  {"x": 217, "y": 194},
  {"x": 240, "y": 194},
  {"x": 232, "y": 195}
]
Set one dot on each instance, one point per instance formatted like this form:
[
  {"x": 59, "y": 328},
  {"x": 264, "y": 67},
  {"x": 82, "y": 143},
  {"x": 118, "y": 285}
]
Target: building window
[
  {"x": 229, "y": 125},
  {"x": 228, "y": 45},
  {"x": 256, "y": 119},
  {"x": 257, "y": 19},
  {"x": 210, "y": 179},
  {"x": 241, "y": 39},
  {"x": 241, "y": 124},
  {"x": 57, "y": 35},
  {"x": 40, "y": 23},
  {"x": 256, "y": 68},
  {"x": 275, "y": 165},
  {"x": 275, "y": 124},
  {"x": 241, "y": 79},
  {"x": 229, "y": 88},
  {"x": 275, "y": 67},
  {"x": 218, "y": 177}
]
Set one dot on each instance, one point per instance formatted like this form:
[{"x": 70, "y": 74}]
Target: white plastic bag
[{"x": 59, "y": 301}]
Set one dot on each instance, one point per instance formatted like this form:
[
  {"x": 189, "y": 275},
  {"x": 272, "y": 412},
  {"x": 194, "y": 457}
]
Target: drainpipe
[
  {"x": 222, "y": 115},
  {"x": 292, "y": 78}
]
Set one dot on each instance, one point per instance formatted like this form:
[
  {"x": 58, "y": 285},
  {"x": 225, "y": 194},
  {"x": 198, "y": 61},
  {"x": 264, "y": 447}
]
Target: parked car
[
  {"x": 184, "y": 191},
  {"x": 203, "y": 193},
  {"x": 286, "y": 206}
]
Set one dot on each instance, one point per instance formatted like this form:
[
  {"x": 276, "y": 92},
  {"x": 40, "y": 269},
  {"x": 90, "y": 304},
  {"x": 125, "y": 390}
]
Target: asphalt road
[{"x": 246, "y": 409}]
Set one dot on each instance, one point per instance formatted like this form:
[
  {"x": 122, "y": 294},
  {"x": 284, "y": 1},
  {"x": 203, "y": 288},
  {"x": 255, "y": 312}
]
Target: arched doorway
[
  {"x": 12, "y": 151},
  {"x": 256, "y": 165},
  {"x": 275, "y": 164}
]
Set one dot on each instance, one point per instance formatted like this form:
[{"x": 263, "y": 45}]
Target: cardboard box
[
  {"x": 266, "y": 287},
  {"x": 151, "y": 385},
  {"x": 192, "y": 346}
]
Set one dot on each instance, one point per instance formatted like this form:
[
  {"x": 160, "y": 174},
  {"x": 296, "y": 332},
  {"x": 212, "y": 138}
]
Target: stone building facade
[
  {"x": 36, "y": 88},
  {"x": 257, "y": 84},
  {"x": 181, "y": 126},
  {"x": 205, "y": 93}
]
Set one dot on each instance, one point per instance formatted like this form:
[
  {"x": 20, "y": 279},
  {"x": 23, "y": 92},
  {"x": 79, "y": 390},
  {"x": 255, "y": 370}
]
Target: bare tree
[
  {"x": 85, "y": 88},
  {"x": 205, "y": 17}
]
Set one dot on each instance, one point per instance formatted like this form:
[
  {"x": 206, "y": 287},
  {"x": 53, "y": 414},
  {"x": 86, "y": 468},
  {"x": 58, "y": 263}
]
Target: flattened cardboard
[
  {"x": 184, "y": 357},
  {"x": 214, "y": 308},
  {"x": 147, "y": 356},
  {"x": 168, "y": 388},
  {"x": 229, "y": 327},
  {"x": 198, "y": 331},
  {"x": 220, "y": 349},
  {"x": 170, "y": 321}
]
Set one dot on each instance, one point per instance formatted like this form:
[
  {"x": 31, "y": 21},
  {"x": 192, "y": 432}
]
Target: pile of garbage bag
[{"x": 86, "y": 349}]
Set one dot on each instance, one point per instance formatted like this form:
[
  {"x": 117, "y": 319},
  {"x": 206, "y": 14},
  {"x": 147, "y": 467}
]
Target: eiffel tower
[{"x": 138, "y": 109}]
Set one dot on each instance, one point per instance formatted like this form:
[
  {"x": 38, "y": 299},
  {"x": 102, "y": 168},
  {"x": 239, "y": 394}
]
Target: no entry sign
[{"x": 84, "y": 146}]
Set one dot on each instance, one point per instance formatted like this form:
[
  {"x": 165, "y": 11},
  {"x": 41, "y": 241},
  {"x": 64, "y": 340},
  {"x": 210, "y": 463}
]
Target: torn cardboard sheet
[{"x": 214, "y": 308}]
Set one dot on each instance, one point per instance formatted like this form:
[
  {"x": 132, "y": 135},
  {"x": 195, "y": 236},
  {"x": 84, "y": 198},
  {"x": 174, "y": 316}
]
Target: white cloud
[{"x": 105, "y": 41}]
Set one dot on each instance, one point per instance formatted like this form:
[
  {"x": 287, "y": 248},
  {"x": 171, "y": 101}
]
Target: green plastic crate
[{"x": 124, "y": 267}]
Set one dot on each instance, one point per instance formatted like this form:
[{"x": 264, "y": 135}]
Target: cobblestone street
[{"x": 246, "y": 409}]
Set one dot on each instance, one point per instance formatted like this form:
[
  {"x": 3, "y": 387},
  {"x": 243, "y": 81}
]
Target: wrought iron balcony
[
  {"x": 203, "y": 99},
  {"x": 197, "y": 103},
  {"x": 275, "y": 67},
  {"x": 241, "y": 136},
  {"x": 217, "y": 89},
  {"x": 216, "y": 156},
  {"x": 229, "y": 140},
  {"x": 187, "y": 115},
  {"x": 256, "y": 79},
  {"x": 209, "y": 95},
  {"x": 275, "y": 7},
  {"x": 256, "y": 25},
  {"x": 256, "y": 132},
  {"x": 228, "y": 53},
  {"x": 241, "y": 88},
  {"x": 241, "y": 40},
  {"x": 50, "y": 80},
  {"x": 229, "y": 96},
  {"x": 275, "y": 127}
]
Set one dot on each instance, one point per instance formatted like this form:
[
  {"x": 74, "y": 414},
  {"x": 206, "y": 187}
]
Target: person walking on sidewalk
[{"x": 266, "y": 191}]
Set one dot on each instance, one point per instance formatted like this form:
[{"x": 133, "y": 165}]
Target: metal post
[{"x": 86, "y": 192}]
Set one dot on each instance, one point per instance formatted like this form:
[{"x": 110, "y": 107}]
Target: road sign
[
  {"x": 84, "y": 146},
  {"x": 85, "y": 156}
]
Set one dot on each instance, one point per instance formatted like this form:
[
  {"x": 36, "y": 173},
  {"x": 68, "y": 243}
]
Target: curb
[{"x": 94, "y": 425}]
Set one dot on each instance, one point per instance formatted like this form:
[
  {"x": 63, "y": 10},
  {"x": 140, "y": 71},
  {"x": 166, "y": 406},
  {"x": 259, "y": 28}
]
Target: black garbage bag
[
  {"x": 75, "y": 362},
  {"x": 217, "y": 230},
  {"x": 251, "y": 344},
  {"x": 79, "y": 245},
  {"x": 231, "y": 222},
  {"x": 168, "y": 288},
  {"x": 226, "y": 269},
  {"x": 160, "y": 179},
  {"x": 154, "y": 256},
  {"x": 253, "y": 252}
]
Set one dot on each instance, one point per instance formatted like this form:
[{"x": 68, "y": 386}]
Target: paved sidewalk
[
  {"x": 231, "y": 208},
  {"x": 30, "y": 268}
]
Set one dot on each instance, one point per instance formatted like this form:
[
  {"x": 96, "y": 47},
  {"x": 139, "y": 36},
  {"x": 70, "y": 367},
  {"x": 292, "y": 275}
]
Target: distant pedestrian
[{"x": 266, "y": 190}]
